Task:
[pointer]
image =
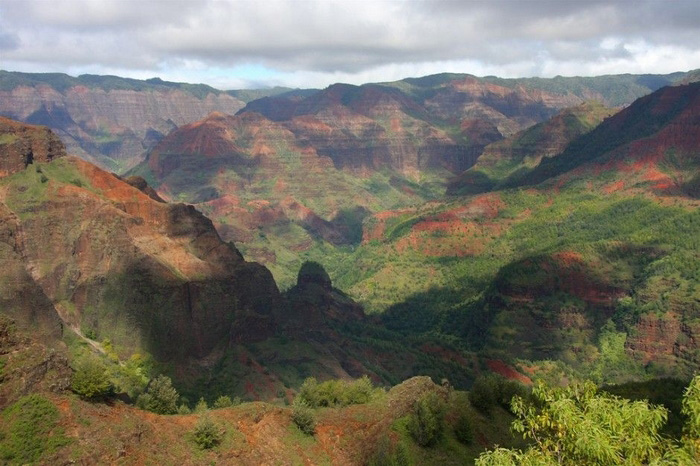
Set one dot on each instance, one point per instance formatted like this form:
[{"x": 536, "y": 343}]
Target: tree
[
  {"x": 427, "y": 421},
  {"x": 303, "y": 416},
  {"x": 206, "y": 433},
  {"x": 160, "y": 396},
  {"x": 223, "y": 401},
  {"x": 91, "y": 380},
  {"x": 577, "y": 425}
]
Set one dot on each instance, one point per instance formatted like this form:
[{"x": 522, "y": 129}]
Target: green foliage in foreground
[
  {"x": 160, "y": 396},
  {"x": 207, "y": 434},
  {"x": 303, "y": 416},
  {"x": 336, "y": 392},
  {"x": 427, "y": 422},
  {"x": 492, "y": 390},
  {"x": 578, "y": 425},
  {"x": 29, "y": 431},
  {"x": 91, "y": 380}
]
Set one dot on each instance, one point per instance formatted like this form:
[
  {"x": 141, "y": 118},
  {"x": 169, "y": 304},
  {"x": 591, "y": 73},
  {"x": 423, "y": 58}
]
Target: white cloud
[{"x": 316, "y": 42}]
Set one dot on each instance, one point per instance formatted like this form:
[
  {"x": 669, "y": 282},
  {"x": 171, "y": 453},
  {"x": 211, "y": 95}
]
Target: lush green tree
[
  {"x": 492, "y": 390},
  {"x": 223, "y": 402},
  {"x": 207, "y": 434},
  {"x": 691, "y": 409},
  {"x": 303, "y": 416},
  {"x": 427, "y": 422},
  {"x": 160, "y": 396},
  {"x": 578, "y": 425},
  {"x": 463, "y": 430},
  {"x": 91, "y": 379},
  {"x": 201, "y": 406},
  {"x": 336, "y": 392}
]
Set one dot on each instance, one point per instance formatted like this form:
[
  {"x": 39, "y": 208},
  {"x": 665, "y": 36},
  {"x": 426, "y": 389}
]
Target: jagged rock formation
[{"x": 22, "y": 145}]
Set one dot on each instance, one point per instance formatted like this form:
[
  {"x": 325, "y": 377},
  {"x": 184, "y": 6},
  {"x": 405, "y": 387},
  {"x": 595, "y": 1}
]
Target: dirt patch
[{"x": 503, "y": 369}]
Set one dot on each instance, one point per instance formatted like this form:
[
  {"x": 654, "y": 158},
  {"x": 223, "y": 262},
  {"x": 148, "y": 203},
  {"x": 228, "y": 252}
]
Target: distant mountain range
[{"x": 108, "y": 120}]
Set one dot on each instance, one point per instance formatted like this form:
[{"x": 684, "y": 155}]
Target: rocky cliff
[
  {"x": 22, "y": 145},
  {"x": 104, "y": 119}
]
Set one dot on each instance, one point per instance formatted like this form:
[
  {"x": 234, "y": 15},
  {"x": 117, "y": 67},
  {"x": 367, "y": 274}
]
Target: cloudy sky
[{"x": 312, "y": 43}]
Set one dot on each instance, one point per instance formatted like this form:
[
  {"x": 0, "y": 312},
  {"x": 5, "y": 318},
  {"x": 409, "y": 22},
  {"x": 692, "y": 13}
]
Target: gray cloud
[{"x": 352, "y": 39}]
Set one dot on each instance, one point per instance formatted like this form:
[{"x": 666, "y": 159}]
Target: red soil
[{"x": 501, "y": 368}]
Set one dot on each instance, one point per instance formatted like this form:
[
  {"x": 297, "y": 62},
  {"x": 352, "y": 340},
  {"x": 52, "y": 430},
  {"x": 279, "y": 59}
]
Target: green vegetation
[
  {"x": 493, "y": 390},
  {"x": 337, "y": 392},
  {"x": 225, "y": 401},
  {"x": 91, "y": 379},
  {"x": 303, "y": 416},
  {"x": 463, "y": 430},
  {"x": 207, "y": 434},
  {"x": 427, "y": 421},
  {"x": 579, "y": 425},
  {"x": 29, "y": 431},
  {"x": 160, "y": 396}
]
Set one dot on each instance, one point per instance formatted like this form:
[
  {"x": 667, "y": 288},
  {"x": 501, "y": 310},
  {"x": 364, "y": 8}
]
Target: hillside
[
  {"x": 579, "y": 260},
  {"x": 524, "y": 150},
  {"x": 104, "y": 262},
  {"x": 292, "y": 177},
  {"x": 44, "y": 423},
  {"x": 596, "y": 267}
]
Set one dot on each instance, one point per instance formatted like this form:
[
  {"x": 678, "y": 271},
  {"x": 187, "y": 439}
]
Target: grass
[{"x": 29, "y": 431}]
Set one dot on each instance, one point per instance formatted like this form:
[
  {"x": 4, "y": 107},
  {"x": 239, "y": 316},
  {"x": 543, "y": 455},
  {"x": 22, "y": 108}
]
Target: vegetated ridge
[{"x": 292, "y": 177}]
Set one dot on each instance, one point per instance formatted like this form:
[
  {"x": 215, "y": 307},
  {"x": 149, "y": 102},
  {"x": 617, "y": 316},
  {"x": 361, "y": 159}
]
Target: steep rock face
[
  {"x": 29, "y": 364},
  {"x": 111, "y": 125},
  {"x": 22, "y": 145},
  {"x": 143, "y": 273},
  {"x": 22, "y": 298}
]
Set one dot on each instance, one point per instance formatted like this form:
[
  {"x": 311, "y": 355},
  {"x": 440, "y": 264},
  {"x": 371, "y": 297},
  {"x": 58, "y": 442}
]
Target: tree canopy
[{"x": 577, "y": 425}]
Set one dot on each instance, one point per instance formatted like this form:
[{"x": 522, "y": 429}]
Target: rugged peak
[
  {"x": 314, "y": 273},
  {"x": 22, "y": 144}
]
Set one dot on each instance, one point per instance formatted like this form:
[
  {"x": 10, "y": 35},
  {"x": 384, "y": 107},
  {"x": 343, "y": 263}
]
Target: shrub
[
  {"x": 579, "y": 425},
  {"x": 336, "y": 392},
  {"x": 463, "y": 430},
  {"x": 207, "y": 434},
  {"x": 303, "y": 416},
  {"x": 201, "y": 406},
  {"x": 426, "y": 423},
  {"x": 388, "y": 454},
  {"x": 91, "y": 380},
  {"x": 483, "y": 393},
  {"x": 184, "y": 409},
  {"x": 160, "y": 396},
  {"x": 223, "y": 402},
  {"x": 358, "y": 392},
  {"x": 491, "y": 390}
]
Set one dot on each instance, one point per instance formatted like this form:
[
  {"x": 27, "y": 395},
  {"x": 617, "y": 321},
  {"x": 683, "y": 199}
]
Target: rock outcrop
[{"x": 21, "y": 145}]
